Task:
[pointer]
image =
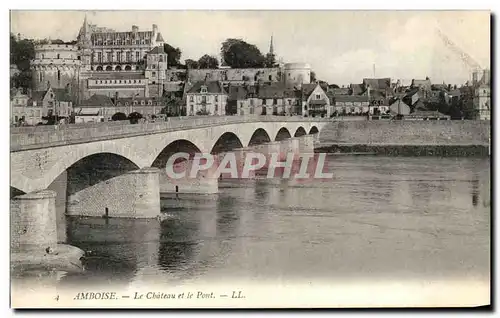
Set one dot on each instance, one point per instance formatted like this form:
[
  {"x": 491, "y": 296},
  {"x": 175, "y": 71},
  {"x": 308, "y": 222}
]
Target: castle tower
[
  {"x": 156, "y": 67},
  {"x": 84, "y": 41}
]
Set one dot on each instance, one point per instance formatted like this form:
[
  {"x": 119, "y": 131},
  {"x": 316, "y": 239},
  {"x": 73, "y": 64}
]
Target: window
[
  {"x": 137, "y": 56},
  {"x": 275, "y": 101},
  {"x": 153, "y": 66},
  {"x": 41, "y": 77},
  {"x": 203, "y": 99},
  {"x": 99, "y": 57},
  {"x": 118, "y": 57},
  {"x": 58, "y": 56},
  {"x": 216, "y": 98},
  {"x": 192, "y": 109},
  {"x": 126, "y": 103},
  {"x": 135, "y": 103},
  {"x": 150, "y": 102},
  {"x": 251, "y": 102},
  {"x": 161, "y": 58},
  {"x": 251, "y": 111},
  {"x": 143, "y": 103},
  {"x": 191, "y": 99},
  {"x": 128, "y": 56},
  {"x": 110, "y": 56},
  {"x": 153, "y": 74},
  {"x": 58, "y": 75},
  {"x": 318, "y": 96},
  {"x": 216, "y": 108}
]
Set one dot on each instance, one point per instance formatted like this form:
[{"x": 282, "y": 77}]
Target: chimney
[
  {"x": 155, "y": 29},
  {"x": 135, "y": 28}
]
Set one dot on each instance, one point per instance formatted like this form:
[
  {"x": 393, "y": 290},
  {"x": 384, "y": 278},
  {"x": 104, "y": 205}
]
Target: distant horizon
[{"x": 396, "y": 44}]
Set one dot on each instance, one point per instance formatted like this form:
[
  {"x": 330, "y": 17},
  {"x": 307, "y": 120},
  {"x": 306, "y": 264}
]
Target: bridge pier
[
  {"x": 34, "y": 235},
  {"x": 33, "y": 221},
  {"x": 134, "y": 194}
]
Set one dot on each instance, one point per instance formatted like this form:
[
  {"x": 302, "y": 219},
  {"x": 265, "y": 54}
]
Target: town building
[
  {"x": 54, "y": 102},
  {"x": 350, "y": 104},
  {"x": 264, "y": 99},
  {"x": 20, "y": 112},
  {"x": 206, "y": 98},
  {"x": 102, "y": 107},
  {"x": 315, "y": 101},
  {"x": 399, "y": 108}
]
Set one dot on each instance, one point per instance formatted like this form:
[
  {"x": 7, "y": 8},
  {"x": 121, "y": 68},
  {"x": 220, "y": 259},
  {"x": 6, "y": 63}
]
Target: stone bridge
[{"x": 120, "y": 165}]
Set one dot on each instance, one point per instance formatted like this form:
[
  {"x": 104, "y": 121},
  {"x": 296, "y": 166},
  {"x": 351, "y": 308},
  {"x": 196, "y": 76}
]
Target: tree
[
  {"x": 240, "y": 54},
  {"x": 207, "y": 61},
  {"x": 21, "y": 54},
  {"x": 191, "y": 63},
  {"x": 119, "y": 116},
  {"x": 270, "y": 60},
  {"x": 313, "y": 77},
  {"x": 173, "y": 54}
]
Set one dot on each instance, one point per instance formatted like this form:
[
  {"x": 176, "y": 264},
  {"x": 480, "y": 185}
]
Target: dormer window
[{"x": 203, "y": 89}]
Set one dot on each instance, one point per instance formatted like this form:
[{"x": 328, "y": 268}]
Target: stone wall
[
  {"x": 450, "y": 132},
  {"x": 134, "y": 194},
  {"x": 237, "y": 74}
]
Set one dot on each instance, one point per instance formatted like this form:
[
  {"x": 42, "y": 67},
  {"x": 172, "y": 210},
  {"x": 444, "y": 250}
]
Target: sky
[{"x": 342, "y": 47}]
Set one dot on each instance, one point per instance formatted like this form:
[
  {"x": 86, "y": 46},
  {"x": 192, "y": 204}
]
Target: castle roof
[{"x": 159, "y": 38}]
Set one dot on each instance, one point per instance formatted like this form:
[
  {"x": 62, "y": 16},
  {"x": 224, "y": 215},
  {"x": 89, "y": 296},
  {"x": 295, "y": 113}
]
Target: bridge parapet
[{"x": 25, "y": 138}]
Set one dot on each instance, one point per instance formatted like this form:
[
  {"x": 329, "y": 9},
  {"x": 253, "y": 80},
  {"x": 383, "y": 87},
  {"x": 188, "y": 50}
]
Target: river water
[{"x": 378, "y": 218}]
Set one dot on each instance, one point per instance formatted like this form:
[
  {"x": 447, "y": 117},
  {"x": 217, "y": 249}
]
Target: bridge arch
[
  {"x": 179, "y": 145},
  {"x": 259, "y": 136},
  {"x": 313, "y": 130},
  {"x": 96, "y": 168},
  {"x": 300, "y": 132},
  {"x": 283, "y": 134},
  {"x": 226, "y": 142}
]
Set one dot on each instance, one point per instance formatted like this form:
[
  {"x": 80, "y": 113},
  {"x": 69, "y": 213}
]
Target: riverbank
[{"x": 407, "y": 150}]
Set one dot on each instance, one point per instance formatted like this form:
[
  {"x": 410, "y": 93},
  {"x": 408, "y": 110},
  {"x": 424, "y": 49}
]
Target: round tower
[
  {"x": 296, "y": 74},
  {"x": 55, "y": 65}
]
